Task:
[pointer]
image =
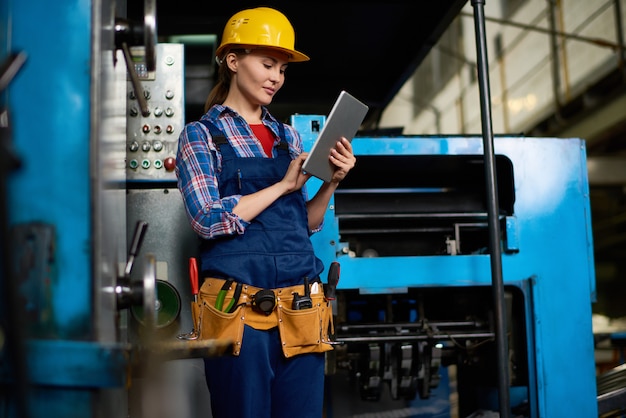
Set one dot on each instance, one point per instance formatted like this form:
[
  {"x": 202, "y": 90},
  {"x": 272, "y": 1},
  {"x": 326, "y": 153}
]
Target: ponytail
[{"x": 219, "y": 92}]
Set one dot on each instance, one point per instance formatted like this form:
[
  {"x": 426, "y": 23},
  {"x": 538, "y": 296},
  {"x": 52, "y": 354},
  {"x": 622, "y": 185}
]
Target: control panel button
[
  {"x": 150, "y": 138},
  {"x": 170, "y": 163},
  {"x": 133, "y": 146}
]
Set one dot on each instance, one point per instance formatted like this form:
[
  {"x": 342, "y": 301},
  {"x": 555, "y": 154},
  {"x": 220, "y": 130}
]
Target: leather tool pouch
[
  {"x": 301, "y": 331},
  {"x": 214, "y": 324},
  {"x": 306, "y": 330}
]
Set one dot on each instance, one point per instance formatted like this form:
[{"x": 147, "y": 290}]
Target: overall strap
[
  {"x": 283, "y": 146},
  {"x": 219, "y": 139}
]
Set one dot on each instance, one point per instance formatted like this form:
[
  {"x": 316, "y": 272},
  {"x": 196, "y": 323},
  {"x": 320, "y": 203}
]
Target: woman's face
[{"x": 260, "y": 74}]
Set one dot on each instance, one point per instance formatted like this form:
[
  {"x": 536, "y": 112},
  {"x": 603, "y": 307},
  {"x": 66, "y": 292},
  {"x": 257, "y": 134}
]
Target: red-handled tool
[
  {"x": 333, "y": 280},
  {"x": 193, "y": 278}
]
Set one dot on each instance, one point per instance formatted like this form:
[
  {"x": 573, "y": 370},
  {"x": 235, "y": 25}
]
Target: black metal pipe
[
  {"x": 555, "y": 61},
  {"x": 492, "y": 208},
  {"x": 11, "y": 319},
  {"x": 619, "y": 30}
]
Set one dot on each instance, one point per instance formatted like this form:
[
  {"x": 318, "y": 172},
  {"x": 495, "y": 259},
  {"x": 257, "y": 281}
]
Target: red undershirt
[{"x": 265, "y": 136}]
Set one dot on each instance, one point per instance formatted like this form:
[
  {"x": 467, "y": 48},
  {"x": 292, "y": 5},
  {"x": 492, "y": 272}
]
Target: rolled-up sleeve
[{"x": 197, "y": 163}]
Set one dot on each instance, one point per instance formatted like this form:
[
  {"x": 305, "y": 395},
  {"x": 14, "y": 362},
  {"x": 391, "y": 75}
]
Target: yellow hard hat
[{"x": 261, "y": 26}]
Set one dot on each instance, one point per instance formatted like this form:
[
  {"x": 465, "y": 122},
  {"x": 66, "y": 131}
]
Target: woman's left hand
[{"x": 342, "y": 158}]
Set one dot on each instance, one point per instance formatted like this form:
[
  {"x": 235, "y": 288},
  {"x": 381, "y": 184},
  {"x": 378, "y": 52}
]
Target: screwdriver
[{"x": 193, "y": 278}]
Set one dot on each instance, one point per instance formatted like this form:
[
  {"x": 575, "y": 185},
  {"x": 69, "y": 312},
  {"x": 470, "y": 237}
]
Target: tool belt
[{"x": 301, "y": 330}]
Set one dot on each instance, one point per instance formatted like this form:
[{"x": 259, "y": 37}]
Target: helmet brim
[{"x": 292, "y": 54}]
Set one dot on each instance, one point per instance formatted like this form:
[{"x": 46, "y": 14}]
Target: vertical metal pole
[
  {"x": 555, "y": 62},
  {"x": 10, "y": 311},
  {"x": 492, "y": 209},
  {"x": 619, "y": 30}
]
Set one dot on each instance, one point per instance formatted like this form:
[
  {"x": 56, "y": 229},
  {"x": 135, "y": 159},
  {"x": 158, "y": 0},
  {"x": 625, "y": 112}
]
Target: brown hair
[{"x": 224, "y": 76}]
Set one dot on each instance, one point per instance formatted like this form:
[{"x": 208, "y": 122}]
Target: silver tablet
[{"x": 344, "y": 119}]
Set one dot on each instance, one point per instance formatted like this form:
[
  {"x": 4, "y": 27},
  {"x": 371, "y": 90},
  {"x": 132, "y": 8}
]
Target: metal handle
[
  {"x": 150, "y": 33},
  {"x": 149, "y": 293},
  {"x": 128, "y": 34}
]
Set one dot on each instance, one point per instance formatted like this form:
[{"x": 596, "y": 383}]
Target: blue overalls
[{"x": 275, "y": 251}]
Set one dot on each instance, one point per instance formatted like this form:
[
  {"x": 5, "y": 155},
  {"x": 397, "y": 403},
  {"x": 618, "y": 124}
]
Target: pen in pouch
[{"x": 239, "y": 178}]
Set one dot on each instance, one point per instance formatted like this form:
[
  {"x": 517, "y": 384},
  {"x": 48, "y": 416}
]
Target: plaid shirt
[{"x": 198, "y": 162}]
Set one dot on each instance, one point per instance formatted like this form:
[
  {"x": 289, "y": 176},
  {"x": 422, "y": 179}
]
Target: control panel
[{"x": 152, "y": 133}]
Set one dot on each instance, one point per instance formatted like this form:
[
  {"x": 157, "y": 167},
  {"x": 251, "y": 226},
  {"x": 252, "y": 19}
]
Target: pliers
[{"x": 221, "y": 295}]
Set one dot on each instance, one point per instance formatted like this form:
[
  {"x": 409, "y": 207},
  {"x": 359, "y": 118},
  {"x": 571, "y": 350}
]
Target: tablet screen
[{"x": 344, "y": 119}]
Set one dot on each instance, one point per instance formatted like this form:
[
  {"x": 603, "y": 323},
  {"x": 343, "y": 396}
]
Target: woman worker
[{"x": 240, "y": 174}]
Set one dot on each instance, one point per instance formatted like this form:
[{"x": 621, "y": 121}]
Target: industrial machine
[
  {"x": 95, "y": 298},
  {"x": 86, "y": 298},
  {"x": 408, "y": 227}
]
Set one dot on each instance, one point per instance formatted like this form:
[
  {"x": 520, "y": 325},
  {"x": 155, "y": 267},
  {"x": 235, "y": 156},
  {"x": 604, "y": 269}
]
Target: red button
[{"x": 170, "y": 163}]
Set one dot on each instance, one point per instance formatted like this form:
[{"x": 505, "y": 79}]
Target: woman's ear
[{"x": 231, "y": 60}]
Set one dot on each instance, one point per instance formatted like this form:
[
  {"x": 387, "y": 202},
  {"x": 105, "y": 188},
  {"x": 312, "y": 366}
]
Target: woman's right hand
[{"x": 295, "y": 178}]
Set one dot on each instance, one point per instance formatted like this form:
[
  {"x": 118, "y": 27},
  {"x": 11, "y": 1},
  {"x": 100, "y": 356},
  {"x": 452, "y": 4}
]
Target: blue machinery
[{"x": 409, "y": 228}]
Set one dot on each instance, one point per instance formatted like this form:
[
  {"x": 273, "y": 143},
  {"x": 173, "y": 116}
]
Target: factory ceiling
[{"x": 368, "y": 48}]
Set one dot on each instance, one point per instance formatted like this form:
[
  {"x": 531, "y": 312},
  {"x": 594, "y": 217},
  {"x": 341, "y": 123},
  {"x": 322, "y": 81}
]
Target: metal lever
[
  {"x": 130, "y": 293},
  {"x": 10, "y": 68},
  {"x": 127, "y": 33},
  {"x": 134, "y": 79},
  {"x": 140, "y": 231}
]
